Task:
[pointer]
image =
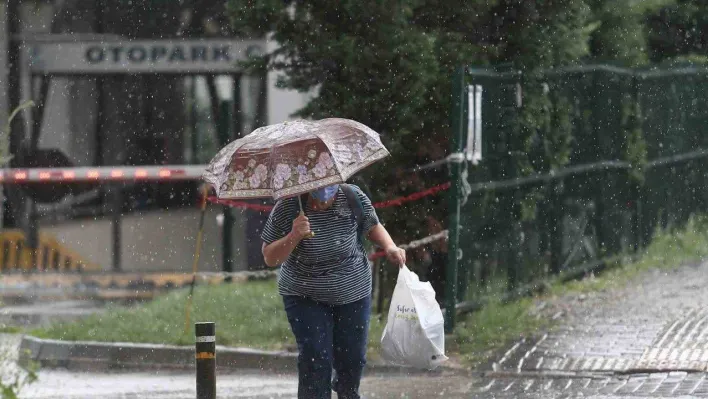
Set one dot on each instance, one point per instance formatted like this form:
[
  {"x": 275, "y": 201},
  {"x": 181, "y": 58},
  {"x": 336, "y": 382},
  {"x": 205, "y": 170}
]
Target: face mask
[{"x": 325, "y": 194}]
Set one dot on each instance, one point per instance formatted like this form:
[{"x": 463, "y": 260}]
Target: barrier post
[{"x": 206, "y": 359}]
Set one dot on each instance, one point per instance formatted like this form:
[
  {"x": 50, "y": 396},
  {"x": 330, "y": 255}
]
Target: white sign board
[
  {"x": 474, "y": 123},
  {"x": 141, "y": 56}
]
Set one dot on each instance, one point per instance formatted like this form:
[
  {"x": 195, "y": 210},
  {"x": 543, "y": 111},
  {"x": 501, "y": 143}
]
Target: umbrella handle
[
  {"x": 302, "y": 213},
  {"x": 310, "y": 234}
]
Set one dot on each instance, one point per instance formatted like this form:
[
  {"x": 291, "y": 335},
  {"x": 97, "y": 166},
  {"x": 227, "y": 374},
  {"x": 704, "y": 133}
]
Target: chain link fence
[{"x": 579, "y": 165}]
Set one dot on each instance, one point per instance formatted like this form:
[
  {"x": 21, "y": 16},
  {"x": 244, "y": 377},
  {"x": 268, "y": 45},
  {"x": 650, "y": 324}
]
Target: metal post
[
  {"x": 638, "y": 186},
  {"x": 35, "y": 134},
  {"x": 462, "y": 268},
  {"x": 4, "y": 105},
  {"x": 262, "y": 105},
  {"x": 116, "y": 212},
  {"x": 205, "y": 346},
  {"x": 237, "y": 130},
  {"x": 193, "y": 139},
  {"x": 458, "y": 92},
  {"x": 100, "y": 103},
  {"x": 381, "y": 282},
  {"x": 556, "y": 226},
  {"x": 15, "y": 198},
  {"x": 14, "y": 79},
  {"x": 224, "y": 126}
]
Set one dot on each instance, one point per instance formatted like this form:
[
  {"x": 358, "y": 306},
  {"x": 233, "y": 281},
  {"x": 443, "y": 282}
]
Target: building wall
[
  {"x": 282, "y": 103},
  {"x": 150, "y": 241}
]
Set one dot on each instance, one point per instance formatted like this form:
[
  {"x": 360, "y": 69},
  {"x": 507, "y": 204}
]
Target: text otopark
[{"x": 173, "y": 54}]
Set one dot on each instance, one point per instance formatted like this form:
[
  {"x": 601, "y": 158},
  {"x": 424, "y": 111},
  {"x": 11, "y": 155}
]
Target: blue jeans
[{"x": 329, "y": 336}]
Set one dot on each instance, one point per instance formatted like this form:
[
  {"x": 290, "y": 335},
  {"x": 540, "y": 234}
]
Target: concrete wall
[{"x": 153, "y": 241}]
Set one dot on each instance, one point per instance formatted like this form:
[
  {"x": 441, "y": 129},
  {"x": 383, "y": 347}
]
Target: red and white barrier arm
[{"x": 102, "y": 174}]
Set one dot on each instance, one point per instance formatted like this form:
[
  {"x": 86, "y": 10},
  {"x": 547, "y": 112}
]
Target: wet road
[
  {"x": 55, "y": 384},
  {"x": 627, "y": 342}
]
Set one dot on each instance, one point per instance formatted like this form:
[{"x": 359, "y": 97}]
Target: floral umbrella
[{"x": 292, "y": 158}]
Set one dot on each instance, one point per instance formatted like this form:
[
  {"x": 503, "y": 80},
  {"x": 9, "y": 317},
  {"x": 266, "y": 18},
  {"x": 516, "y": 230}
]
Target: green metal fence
[{"x": 579, "y": 165}]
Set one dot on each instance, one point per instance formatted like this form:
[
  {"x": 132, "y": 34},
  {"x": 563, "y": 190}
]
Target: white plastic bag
[{"x": 414, "y": 335}]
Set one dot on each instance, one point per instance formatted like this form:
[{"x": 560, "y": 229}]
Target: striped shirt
[{"x": 331, "y": 267}]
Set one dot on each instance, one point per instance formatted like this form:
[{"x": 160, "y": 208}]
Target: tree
[
  {"x": 378, "y": 62},
  {"x": 388, "y": 64},
  {"x": 678, "y": 30},
  {"x": 621, "y": 34},
  {"x": 542, "y": 34}
]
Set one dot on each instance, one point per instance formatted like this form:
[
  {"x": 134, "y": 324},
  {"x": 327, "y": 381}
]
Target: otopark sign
[{"x": 142, "y": 56}]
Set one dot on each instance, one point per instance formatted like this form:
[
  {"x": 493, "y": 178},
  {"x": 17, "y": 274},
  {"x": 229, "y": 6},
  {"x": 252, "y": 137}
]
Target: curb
[
  {"x": 124, "y": 356},
  {"x": 112, "y": 286}
]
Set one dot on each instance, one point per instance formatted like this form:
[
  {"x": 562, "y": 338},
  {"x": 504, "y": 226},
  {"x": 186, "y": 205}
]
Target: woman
[{"x": 325, "y": 282}]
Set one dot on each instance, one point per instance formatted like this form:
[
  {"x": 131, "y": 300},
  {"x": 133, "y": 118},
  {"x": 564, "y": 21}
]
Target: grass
[
  {"x": 668, "y": 250},
  {"x": 484, "y": 333},
  {"x": 479, "y": 336},
  {"x": 10, "y": 329},
  {"x": 246, "y": 314},
  {"x": 252, "y": 314}
]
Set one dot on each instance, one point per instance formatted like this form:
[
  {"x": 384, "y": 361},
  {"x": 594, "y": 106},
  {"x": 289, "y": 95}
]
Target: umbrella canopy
[{"x": 291, "y": 158}]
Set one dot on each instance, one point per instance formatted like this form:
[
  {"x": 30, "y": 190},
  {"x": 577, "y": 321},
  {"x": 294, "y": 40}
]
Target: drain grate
[
  {"x": 672, "y": 360},
  {"x": 683, "y": 346}
]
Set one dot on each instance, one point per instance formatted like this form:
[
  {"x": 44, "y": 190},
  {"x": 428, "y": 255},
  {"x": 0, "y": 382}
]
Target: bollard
[{"x": 206, "y": 360}]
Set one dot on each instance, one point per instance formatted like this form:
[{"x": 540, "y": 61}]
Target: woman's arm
[
  {"x": 278, "y": 251},
  {"x": 379, "y": 236}
]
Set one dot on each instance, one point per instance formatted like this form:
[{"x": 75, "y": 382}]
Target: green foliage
[
  {"x": 13, "y": 381},
  {"x": 384, "y": 63},
  {"x": 365, "y": 58},
  {"x": 388, "y": 64},
  {"x": 621, "y": 35},
  {"x": 678, "y": 29},
  {"x": 480, "y": 335},
  {"x": 542, "y": 34},
  {"x": 13, "y": 376},
  {"x": 635, "y": 146}
]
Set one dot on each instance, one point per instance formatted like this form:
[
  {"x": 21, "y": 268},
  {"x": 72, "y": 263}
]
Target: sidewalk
[
  {"x": 40, "y": 313},
  {"x": 250, "y": 384},
  {"x": 649, "y": 339}
]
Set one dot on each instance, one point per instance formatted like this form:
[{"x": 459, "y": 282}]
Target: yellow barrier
[{"x": 51, "y": 255}]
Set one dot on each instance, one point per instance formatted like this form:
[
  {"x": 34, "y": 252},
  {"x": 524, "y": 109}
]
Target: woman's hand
[
  {"x": 396, "y": 255},
  {"x": 380, "y": 237},
  {"x": 301, "y": 228},
  {"x": 277, "y": 252}
]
